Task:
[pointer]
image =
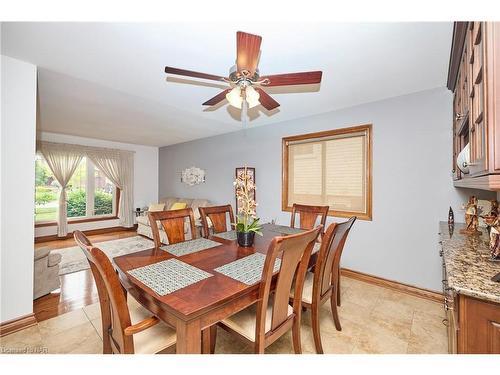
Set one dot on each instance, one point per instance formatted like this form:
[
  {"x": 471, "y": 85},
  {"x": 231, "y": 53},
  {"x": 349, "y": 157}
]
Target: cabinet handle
[
  {"x": 446, "y": 322},
  {"x": 459, "y": 116}
]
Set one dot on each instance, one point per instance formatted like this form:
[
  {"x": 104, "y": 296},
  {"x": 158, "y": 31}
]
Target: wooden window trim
[
  {"x": 89, "y": 219},
  {"x": 369, "y": 178}
]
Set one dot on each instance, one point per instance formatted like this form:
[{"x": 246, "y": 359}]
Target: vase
[{"x": 245, "y": 239}]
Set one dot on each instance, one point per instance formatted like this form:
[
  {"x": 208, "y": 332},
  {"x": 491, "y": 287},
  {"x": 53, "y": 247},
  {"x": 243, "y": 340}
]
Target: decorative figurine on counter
[
  {"x": 471, "y": 217},
  {"x": 494, "y": 208},
  {"x": 495, "y": 239},
  {"x": 451, "y": 222},
  {"x": 490, "y": 219}
]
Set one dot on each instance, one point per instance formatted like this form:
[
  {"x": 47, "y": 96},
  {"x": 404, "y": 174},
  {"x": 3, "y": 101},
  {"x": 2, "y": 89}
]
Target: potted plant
[{"x": 247, "y": 223}]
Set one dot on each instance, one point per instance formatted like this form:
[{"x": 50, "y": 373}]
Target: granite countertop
[{"x": 469, "y": 267}]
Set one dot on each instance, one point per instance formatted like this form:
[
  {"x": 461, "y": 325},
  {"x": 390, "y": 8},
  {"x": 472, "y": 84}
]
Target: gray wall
[{"x": 412, "y": 186}]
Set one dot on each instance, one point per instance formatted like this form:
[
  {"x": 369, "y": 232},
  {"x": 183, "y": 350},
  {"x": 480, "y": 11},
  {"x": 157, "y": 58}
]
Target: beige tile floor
[{"x": 374, "y": 320}]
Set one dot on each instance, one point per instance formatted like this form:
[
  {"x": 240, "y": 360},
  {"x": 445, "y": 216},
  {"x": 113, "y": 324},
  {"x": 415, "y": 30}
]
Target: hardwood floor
[{"x": 77, "y": 289}]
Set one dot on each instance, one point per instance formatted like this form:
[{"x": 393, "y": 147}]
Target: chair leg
[
  {"x": 334, "y": 303},
  {"x": 106, "y": 344},
  {"x": 315, "y": 329},
  {"x": 338, "y": 289},
  {"x": 297, "y": 348}
]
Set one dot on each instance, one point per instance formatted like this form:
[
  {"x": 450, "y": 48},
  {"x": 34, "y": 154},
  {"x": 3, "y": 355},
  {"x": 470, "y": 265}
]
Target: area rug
[{"x": 74, "y": 260}]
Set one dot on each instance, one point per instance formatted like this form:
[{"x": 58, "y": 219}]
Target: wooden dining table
[{"x": 194, "y": 309}]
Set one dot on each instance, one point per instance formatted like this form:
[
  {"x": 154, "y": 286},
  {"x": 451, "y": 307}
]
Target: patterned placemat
[
  {"x": 283, "y": 229},
  {"x": 247, "y": 270},
  {"x": 188, "y": 247},
  {"x": 167, "y": 276},
  {"x": 229, "y": 235}
]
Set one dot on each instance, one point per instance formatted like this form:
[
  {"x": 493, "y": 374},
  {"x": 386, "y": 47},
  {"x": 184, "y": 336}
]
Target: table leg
[
  {"x": 208, "y": 339},
  {"x": 188, "y": 337}
]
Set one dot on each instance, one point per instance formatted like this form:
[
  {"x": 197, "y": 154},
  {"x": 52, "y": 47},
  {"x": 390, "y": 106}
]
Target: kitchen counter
[{"x": 469, "y": 267}]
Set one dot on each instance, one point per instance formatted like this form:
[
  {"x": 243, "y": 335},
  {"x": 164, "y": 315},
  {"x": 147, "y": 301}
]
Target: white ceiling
[{"x": 106, "y": 80}]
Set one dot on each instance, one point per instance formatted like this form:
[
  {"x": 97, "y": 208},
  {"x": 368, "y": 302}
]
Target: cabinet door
[
  {"x": 479, "y": 331},
  {"x": 492, "y": 90},
  {"x": 457, "y": 144},
  {"x": 494, "y": 337},
  {"x": 461, "y": 133},
  {"x": 475, "y": 93}
]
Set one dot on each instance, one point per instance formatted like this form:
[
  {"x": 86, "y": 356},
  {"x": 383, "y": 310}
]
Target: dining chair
[
  {"x": 308, "y": 215},
  {"x": 270, "y": 317},
  {"x": 173, "y": 223},
  {"x": 217, "y": 215},
  {"x": 119, "y": 335},
  {"x": 324, "y": 283}
]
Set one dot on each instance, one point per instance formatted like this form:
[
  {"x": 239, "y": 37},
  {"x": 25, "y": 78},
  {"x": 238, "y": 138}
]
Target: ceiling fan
[{"x": 245, "y": 83}]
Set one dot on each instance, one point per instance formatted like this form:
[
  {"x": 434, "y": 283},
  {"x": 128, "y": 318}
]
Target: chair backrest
[
  {"x": 326, "y": 269},
  {"x": 172, "y": 222},
  {"x": 218, "y": 217},
  {"x": 114, "y": 309},
  {"x": 295, "y": 252},
  {"x": 308, "y": 215}
]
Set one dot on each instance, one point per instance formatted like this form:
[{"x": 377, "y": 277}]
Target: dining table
[{"x": 211, "y": 285}]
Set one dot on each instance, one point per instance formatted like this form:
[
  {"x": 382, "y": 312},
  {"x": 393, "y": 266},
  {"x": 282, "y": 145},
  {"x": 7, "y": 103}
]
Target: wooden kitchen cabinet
[
  {"x": 478, "y": 326},
  {"x": 471, "y": 299},
  {"x": 473, "y": 325},
  {"x": 474, "y": 78}
]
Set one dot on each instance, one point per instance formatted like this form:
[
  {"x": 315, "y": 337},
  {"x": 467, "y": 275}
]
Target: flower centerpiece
[{"x": 247, "y": 223}]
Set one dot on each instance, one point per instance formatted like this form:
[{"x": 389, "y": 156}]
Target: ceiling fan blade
[
  {"x": 217, "y": 98},
  {"x": 266, "y": 100},
  {"x": 190, "y": 73},
  {"x": 247, "y": 52},
  {"x": 287, "y": 79}
]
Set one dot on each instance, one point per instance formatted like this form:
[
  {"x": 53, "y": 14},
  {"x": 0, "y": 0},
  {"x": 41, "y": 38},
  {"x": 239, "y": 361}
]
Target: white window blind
[{"x": 329, "y": 171}]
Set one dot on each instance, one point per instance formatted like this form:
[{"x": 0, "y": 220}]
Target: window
[
  {"x": 90, "y": 194},
  {"x": 46, "y": 192},
  {"x": 329, "y": 168},
  {"x": 76, "y": 193}
]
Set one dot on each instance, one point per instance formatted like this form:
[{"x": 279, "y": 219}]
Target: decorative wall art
[
  {"x": 193, "y": 176},
  {"x": 251, "y": 175}
]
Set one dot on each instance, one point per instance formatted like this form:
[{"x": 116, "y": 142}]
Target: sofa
[
  {"x": 46, "y": 272},
  {"x": 144, "y": 227}
]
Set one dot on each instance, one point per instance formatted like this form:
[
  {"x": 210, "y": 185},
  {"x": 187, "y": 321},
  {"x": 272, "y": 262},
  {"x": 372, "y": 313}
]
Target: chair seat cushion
[
  {"x": 307, "y": 291},
  {"x": 151, "y": 340},
  {"x": 244, "y": 321}
]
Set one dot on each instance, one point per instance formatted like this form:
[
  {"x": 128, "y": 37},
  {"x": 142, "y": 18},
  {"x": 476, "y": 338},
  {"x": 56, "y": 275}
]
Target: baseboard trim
[
  {"x": 17, "y": 324},
  {"x": 89, "y": 232},
  {"x": 394, "y": 285}
]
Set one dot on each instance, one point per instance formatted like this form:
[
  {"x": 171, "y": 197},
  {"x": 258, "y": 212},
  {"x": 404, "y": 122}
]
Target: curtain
[
  {"x": 62, "y": 161},
  {"x": 118, "y": 166}
]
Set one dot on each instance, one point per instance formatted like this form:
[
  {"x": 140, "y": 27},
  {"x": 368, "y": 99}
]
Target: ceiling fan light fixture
[
  {"x": 252, "y": 97},
  {"x": 234, "y": 97}
]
